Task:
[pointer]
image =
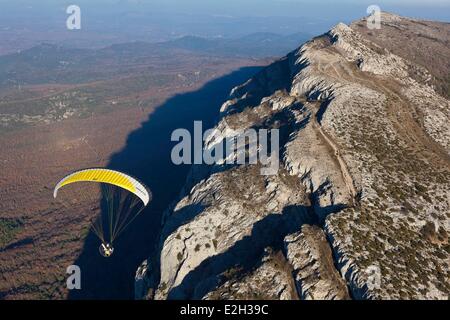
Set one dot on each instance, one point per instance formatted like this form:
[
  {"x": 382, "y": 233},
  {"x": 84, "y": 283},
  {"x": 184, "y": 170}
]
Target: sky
[
  {"x": 345, "y": 9},
  {"x": 161, "y": 20},
  {"x": 301, "y": 7}
]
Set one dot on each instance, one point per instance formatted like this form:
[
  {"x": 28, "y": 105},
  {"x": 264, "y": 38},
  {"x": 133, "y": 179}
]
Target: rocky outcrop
[
  {"x": 364, "y": 175},
  {"x": 315, "y": 274},
  {"x": 274, "y": 274}
]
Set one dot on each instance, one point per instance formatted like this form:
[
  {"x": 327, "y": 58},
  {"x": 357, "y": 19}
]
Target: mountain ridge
[{"x": 364, "y": 166}]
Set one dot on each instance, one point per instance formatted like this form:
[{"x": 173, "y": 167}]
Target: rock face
[
  {"x": 359, "y": 207},
  {"x": 312, "y": 260}
]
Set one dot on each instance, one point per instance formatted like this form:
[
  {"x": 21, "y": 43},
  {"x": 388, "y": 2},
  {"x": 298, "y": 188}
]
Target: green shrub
[{"x": 8, "y": 230}]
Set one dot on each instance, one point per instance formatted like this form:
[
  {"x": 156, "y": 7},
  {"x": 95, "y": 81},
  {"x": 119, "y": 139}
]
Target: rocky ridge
[{"x": 360, "y": 205}]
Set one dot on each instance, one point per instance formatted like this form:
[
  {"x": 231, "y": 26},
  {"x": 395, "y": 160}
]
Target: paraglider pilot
[{"x": 106, "y": 250}]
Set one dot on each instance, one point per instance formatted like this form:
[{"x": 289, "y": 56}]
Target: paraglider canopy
[
  {"x": 112, "y": 177},
  {"x": 124, "y": 197}
]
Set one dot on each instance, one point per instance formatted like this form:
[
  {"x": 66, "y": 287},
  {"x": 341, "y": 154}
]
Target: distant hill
[
  {"x": 50, "y": 63},
  {"x": 260, "y": 44}
]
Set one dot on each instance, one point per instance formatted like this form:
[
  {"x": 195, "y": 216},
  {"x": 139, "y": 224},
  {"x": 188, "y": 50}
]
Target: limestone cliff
[{"x": 360, "y": 205}]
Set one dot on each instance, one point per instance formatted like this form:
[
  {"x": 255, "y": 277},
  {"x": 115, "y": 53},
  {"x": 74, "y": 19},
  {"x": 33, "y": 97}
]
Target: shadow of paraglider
[{"x": 147, "y": 156}]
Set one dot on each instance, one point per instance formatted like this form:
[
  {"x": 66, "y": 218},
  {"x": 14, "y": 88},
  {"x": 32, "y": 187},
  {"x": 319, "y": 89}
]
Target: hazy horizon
[{"x": 106, "y": 22}]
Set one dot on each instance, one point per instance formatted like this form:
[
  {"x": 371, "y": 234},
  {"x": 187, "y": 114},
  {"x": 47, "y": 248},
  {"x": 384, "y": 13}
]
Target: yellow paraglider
[{"x": 125, "y": 197}]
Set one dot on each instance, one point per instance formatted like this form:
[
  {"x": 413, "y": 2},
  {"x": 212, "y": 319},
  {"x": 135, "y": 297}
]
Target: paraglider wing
[
  {"x": 124, "y": 198},
  {"x": 108, "y": 176}
]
